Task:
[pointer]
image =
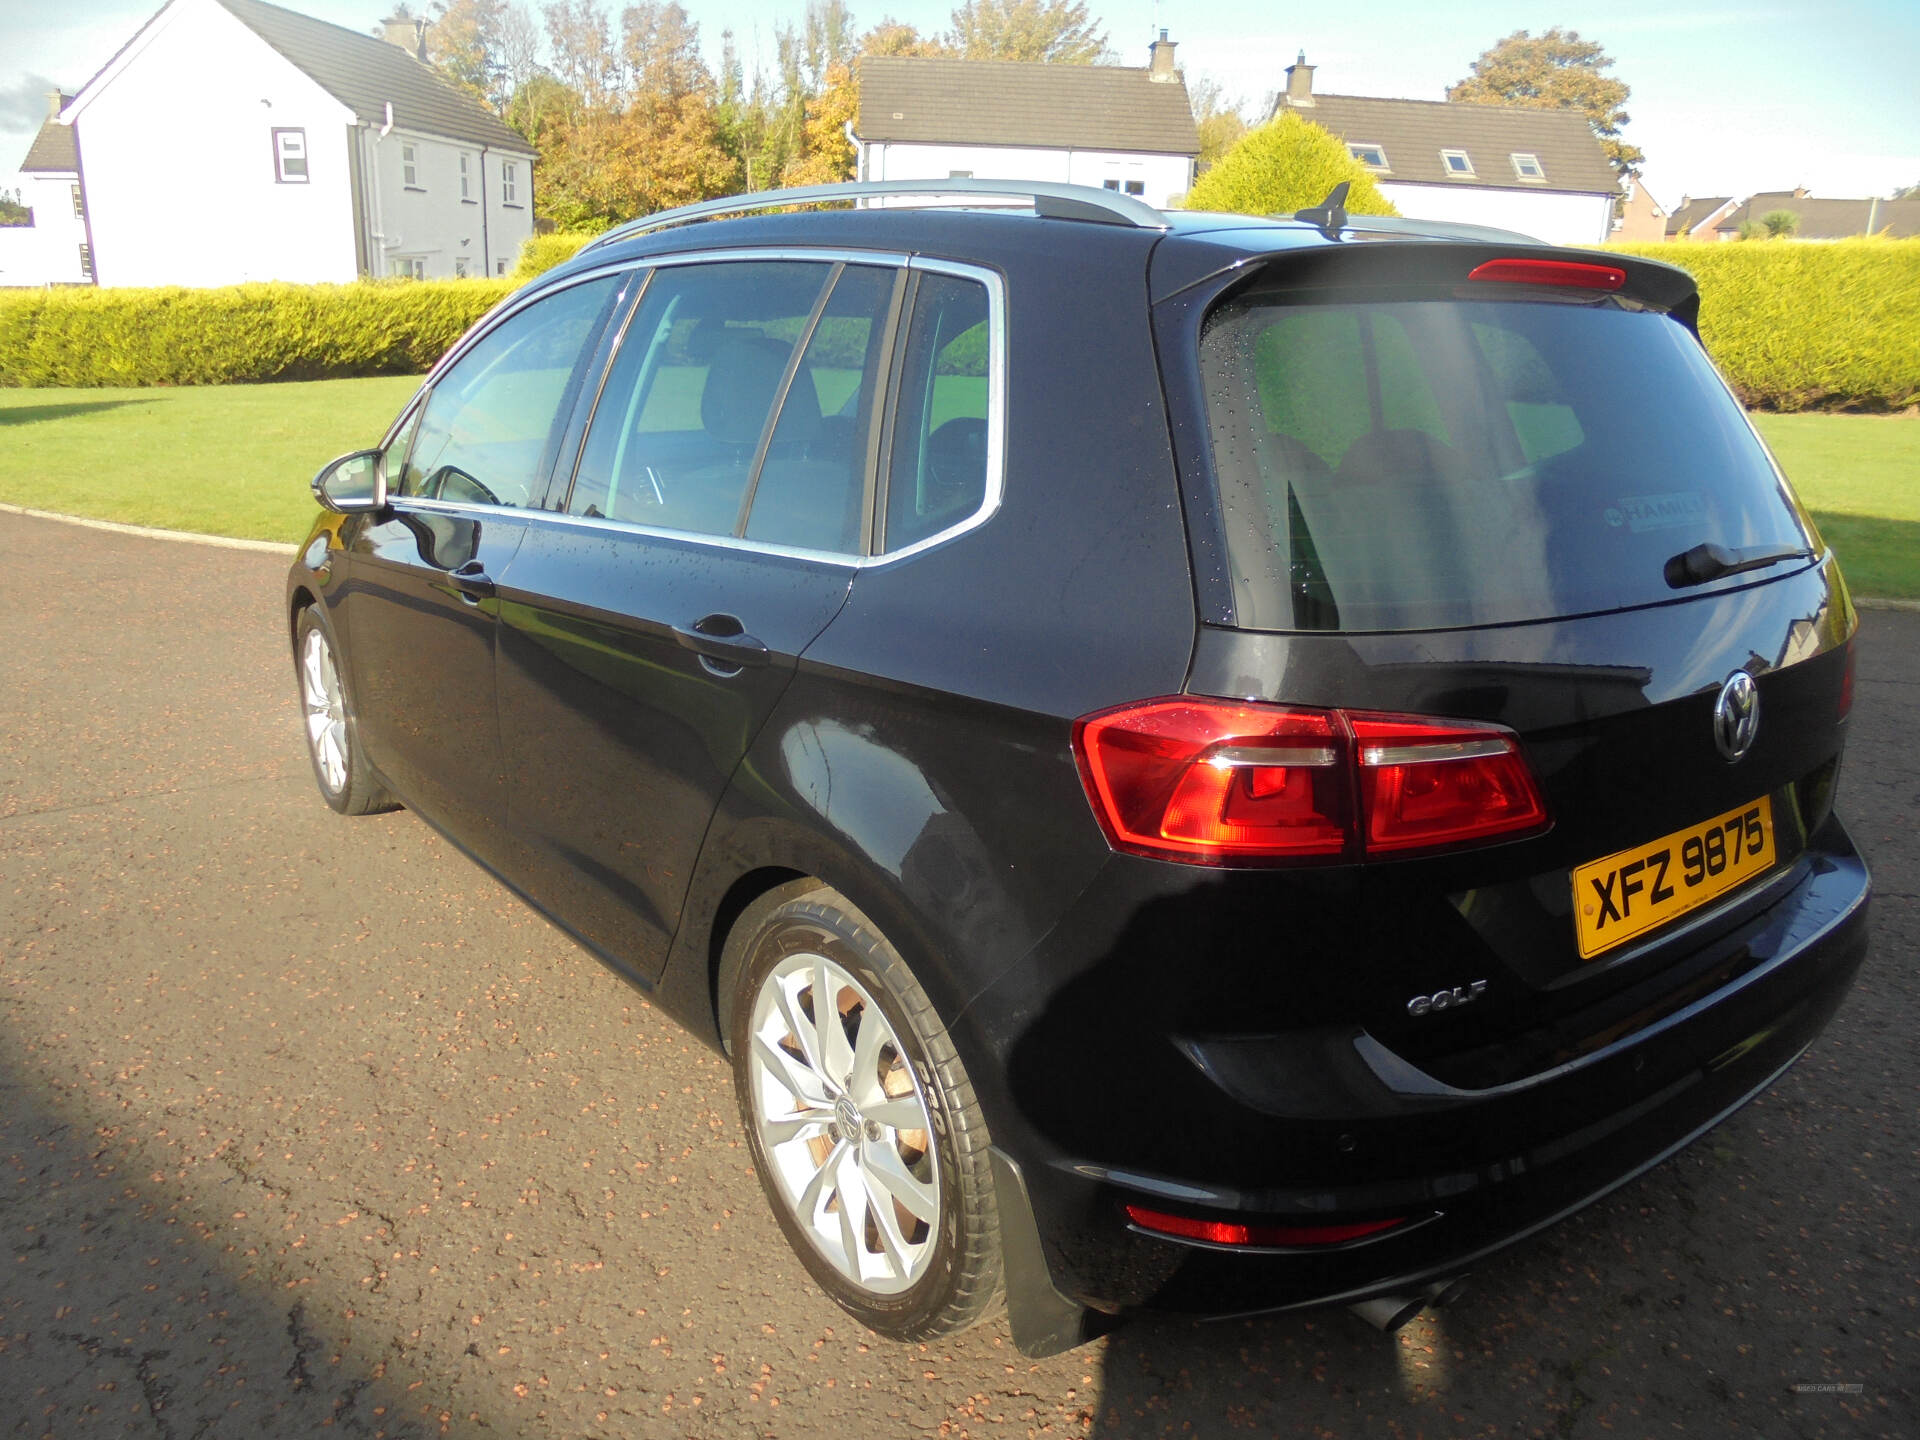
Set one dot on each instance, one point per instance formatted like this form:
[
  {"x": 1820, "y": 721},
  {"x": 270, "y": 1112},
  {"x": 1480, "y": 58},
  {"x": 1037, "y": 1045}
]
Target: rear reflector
[
  {"x": 1225, "y": 1232},
  {"x": 1221, "y": 782},
  {"x": 1572, "y": 273}
]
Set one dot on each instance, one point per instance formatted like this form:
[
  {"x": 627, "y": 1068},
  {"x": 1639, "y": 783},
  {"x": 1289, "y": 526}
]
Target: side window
[
  {"x": 679, "y": 422},
  {"x": 487, "y": 433},
  {"x": 937, "y": 474},
  {"x": 811, "y": 490}
]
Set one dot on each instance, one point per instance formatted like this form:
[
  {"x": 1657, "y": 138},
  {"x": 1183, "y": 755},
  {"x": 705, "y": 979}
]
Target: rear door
[
  {"x": 1480, "y": 503},
  {"x": 420, "y": 607},
  {"x": 710, "y": 532}
]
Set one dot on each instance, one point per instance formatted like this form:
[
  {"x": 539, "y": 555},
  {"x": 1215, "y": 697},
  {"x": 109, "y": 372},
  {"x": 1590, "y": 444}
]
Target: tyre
[
  {"x": 340, "y": 769},
  {"x": 864, "y": 1129}
]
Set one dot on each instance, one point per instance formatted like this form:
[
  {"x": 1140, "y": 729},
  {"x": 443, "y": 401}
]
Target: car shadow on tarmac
[{"x": 127, "y": 1309}]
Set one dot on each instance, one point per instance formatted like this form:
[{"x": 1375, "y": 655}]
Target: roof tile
[
  {"x": 1023, "y": 103},
  {"x": 1414, "y": 132}
]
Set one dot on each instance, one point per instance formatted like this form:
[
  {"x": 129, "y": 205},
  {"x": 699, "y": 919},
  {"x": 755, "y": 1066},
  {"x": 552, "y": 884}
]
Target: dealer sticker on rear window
[
  {"x": 1658, "y": 512},
  {"x": 1634, "y": 891}
]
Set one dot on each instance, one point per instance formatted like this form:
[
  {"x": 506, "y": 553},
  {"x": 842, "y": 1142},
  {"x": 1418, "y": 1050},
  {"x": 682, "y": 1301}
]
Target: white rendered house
[
  {"x": 1540, "y": 172},
  {"x": 54, "y": 249},
  {"x": 1125, "y": 128},
  {"x": 232, "y": 140}
]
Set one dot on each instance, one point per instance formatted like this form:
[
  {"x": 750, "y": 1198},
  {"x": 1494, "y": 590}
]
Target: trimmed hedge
[
  {"x": 241, "y": 333},
  {"x": 1795, "y": 326},
  {"x": 540, "y": 253},
  {"x": 1802, "y": 326}
]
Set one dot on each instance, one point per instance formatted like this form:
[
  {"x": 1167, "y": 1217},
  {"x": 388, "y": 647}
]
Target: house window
[
  {"x": 466, "y": 181},
  {"x": 1456, "y": 162},
  {"x": 1374, "y": 157},
  {"x": 1111, "y": 184},
  {"x": 509, "y": 183},
  {"x": 460, "y": 267},
  {"x": 412, "y": 266},
  {"x": 1527, "y": 167},
  {"x": 959, "y": 174},
  {"x": 79, "y": 204},
  {"x": 289, "y": 160},
  {"x": 1136, "y": 187},
  {"x": 86, "y": 262},
  {"x": 410, "y": 168},
  {"x": 499, "y": 267}
]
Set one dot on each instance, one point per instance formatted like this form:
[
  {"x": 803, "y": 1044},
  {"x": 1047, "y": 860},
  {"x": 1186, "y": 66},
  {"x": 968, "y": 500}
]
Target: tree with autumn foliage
[
  {"x": 622, "y": 129},
  {"x": 1059, "y": 31},
  {"x": 1555, "y": 70}
]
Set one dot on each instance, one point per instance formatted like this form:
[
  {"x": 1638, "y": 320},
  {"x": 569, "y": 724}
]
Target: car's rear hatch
[{"x": 1528, "y": 502}]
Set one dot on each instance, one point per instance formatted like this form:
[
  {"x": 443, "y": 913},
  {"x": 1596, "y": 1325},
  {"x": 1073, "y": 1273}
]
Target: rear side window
[
  {"x": 1420, "y": 464},
  {"x": 937, "y": 475}
]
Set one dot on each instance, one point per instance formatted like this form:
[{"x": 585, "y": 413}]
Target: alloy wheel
[
  {"x": 326, "y": 710},
  {"x": 844, "y": 1123}
]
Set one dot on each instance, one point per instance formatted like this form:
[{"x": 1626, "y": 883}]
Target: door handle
[
  {"x": 473, "y": 582},
  {"x": 722, "y": 643}
]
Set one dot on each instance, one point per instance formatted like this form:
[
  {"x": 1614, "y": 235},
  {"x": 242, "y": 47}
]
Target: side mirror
[{"x": 353, "y": 483}]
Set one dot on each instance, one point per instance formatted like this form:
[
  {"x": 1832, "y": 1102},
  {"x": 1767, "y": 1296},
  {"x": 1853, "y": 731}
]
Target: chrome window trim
[
  {"x": 995, "y": 491},
  {"x": 996, "y": 405},
  {"x": 627, "y": 527}
]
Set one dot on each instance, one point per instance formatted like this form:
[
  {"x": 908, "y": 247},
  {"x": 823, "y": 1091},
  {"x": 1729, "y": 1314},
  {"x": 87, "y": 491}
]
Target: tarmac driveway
[{"x": 305, "y": 1123}]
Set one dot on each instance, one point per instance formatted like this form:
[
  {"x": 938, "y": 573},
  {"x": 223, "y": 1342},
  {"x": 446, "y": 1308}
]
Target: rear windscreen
[{"x": 1415, "y": 464}]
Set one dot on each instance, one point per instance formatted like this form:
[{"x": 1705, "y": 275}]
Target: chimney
[
  {"x": 56, "y": 102},
  {"x": 1160, "y": 66},
  {"x": 409, "y": 33},
  {"x": 1799, "y": 192},
  {"x": 1300, "y": 82}
]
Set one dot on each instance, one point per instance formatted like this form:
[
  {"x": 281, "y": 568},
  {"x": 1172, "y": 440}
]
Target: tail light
[
  {"x": 1228, "y": 1232},
  {"x": 1426, "y": 783},
  {"x": 1218, "y": 782}
]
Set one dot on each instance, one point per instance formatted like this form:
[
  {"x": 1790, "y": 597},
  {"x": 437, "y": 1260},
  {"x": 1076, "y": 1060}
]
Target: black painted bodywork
[{"x": 1218, "y": 1043}]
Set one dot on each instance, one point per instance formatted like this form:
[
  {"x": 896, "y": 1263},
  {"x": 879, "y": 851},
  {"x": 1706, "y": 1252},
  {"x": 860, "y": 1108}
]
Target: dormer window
[
  {"x": 1527, "y": 167},
  {"x": 1457, "y": 163},
  {"x": 1371, "y": 156}
]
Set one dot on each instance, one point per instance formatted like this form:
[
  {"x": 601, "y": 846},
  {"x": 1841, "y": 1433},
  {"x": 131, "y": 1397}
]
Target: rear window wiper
[{"x": 1709, "y": 562}]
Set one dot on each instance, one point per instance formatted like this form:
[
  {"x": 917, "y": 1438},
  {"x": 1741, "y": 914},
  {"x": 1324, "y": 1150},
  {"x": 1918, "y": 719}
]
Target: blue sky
[{"x": 1728, "y": 97}]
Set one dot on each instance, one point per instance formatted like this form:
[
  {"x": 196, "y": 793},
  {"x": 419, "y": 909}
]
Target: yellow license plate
[{"x": 1637, "y": 890}]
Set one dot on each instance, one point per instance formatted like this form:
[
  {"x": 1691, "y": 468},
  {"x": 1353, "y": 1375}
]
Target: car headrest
[{"x": 742, "y": 380}]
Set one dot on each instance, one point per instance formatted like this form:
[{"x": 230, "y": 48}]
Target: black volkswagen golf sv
[{"x": 1191, "y": 762}]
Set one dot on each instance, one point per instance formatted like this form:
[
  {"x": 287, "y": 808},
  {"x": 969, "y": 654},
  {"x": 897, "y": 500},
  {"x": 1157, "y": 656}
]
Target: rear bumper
[{"x": 1474, "y": 1170}]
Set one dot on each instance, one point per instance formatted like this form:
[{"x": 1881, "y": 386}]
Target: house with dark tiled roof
[
  {"x": 53, "y": 249},
  {"x": 1540, "y": 172},
  {"x": 1694, "y": 219},
  {"x": 233, "y": 140},
  {"x": 1127, "y": 128},
  {"x": 1822, "y": 219}
]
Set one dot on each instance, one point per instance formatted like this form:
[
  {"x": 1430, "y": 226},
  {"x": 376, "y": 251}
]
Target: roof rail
[{"x": 1054, "y": 201}]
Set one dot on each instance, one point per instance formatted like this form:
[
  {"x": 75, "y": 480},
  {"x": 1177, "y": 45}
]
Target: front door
[
  {"x": 420, "y": 604},
  {"x": 713, "y": 528}
]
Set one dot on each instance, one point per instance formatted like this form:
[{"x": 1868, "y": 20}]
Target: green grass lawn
[
  {"x": 1860, "y": 475},
  {"x": 235, "y": 460},
  {"x": 222, "y": 460}
]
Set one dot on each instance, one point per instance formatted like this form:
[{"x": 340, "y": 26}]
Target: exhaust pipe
[{"x": 1387, "y": 1313}]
